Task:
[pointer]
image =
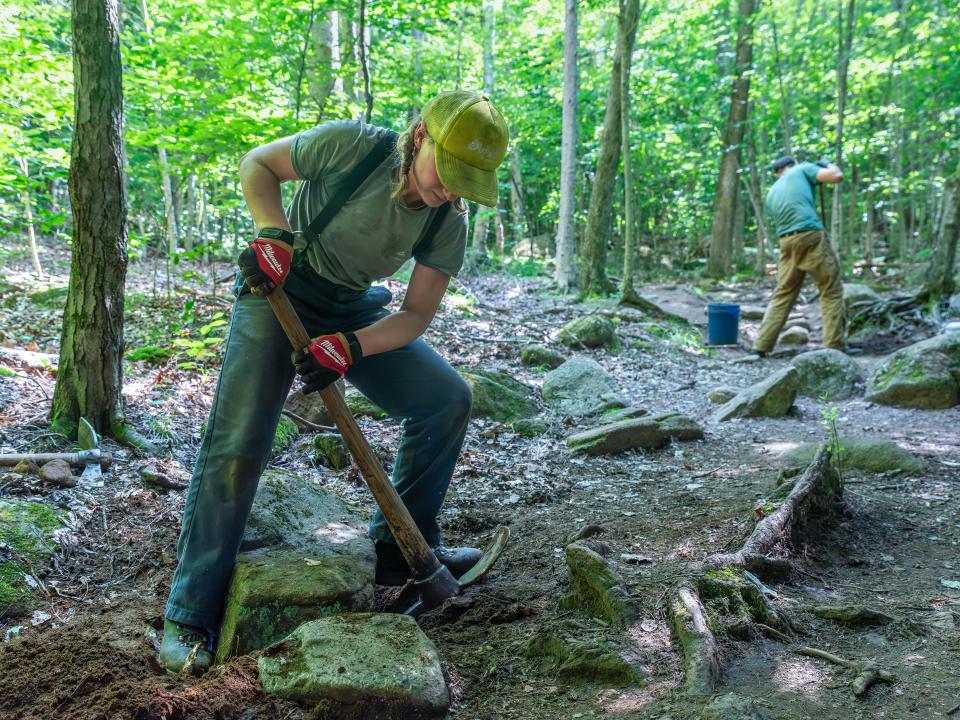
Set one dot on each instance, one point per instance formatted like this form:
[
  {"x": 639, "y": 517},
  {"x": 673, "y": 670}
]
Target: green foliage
[{"x": 828, "y": 420}]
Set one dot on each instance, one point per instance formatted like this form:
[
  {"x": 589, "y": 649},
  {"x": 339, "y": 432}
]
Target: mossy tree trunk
[
  {"x": 593, "y": 273},
  {"x": 91, "y": 345}
]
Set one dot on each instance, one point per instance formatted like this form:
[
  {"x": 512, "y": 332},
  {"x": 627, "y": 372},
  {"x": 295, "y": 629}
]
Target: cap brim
[{"x": 465, "y": 180}]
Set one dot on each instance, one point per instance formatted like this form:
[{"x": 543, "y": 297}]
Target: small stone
[
  {"x": 752, "y": 312},
  {"x": 541, "y": 356},
  {"x": 722, "y": 394},
  {"x": 58, "y": 472},
  {"x": 590, "y": 331},
  {"x": 795, "y": 335},
  {"x": 331, "y": 450}
]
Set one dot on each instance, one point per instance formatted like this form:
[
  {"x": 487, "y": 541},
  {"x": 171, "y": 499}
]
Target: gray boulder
[
  {"x": 588, "y": 331},
  {"x": 856, "y": 293},
  {"x": 541, "y": 356},
  {"x": 862, "y": 453},
  {"x": 498, "y": 396},
  {"x": 358, "y": 666},
  {"x": 795, "y": 335},
  {"x": 827, "y": 372},
  {"x": 305, "y": 554},
  {"x": 642, "y": 432},
  {"x": 771, "y": 397},
  {"x": 924, "y": 375},
  {"x": 580, "y": 387}
]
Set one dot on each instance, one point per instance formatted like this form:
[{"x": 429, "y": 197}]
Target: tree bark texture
[
  {"x": 564, "y": 272},
  {"x": 940, "y": 274},
  {"x": 728, "y": 185},
  {"x": 593, "y": 273},
  {"x": 488, "y": 29},
  {"x": 844, "y": 48},
  {"x": 89, "y": 378},
  {"x": 626, "y": 289}
]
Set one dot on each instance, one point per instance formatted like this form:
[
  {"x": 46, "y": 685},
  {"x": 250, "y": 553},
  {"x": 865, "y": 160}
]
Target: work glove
[
  {"x": 264, "y": 264},
  {"x": 326, "y": 359}
]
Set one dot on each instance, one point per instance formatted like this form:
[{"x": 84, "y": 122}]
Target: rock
[
  {"x": 287, "y": 431},
  {"x": 498, "y": 396},
  {"x": 596, "y": 588},
  {"x": 923, "y": 375},
  {"x": 354, "y": 666},
  {"x": 530, "y": 427},
  {"x": 752, "y": 312},
  {"x": 721, "y": 394},
  {"x": 27, "y": 529},
  {"x": 541, "y": 356},
  {"x": 862, "y": 453},
  {"x": 644, "y": 432},
  {"x": 627, "y": 413},
  {"x": 827, "y": 372},
  {"x": 309, "y": 406},
  {"x": 582, "y": 661},
  {"x": 857, "y": 293},
  {"x": 305, "y": 555},
  {"x": 771, "y": 397},
  {"x": 798, "y": 322},
  {"x": 331, "y": 450},
  {"x": 796, "y": 335},
  {"x": 954, "y": 303},
  {"x": 58, "y": 472},
  {"x": 360, "y": 404},
  {"x": 588, "y": 331},
  {"x": 580, "y": 387},
  {"x": 732, "y": 707}
]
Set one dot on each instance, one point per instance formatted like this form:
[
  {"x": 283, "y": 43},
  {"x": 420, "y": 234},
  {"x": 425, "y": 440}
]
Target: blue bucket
[{"x": 723, "y": 320}]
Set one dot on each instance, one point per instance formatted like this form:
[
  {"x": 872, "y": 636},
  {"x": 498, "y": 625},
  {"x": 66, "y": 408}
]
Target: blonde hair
[{"x": 403, "y": 155}]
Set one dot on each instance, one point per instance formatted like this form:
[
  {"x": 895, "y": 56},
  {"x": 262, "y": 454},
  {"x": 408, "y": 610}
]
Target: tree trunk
[
  {"x": 89, "y": 375},
  {"x": 348, "y": 56},
  {"x": 719, "y": 263},
  {"x": 627, "y": 292},
  {"x": 517, "y": 204},
  {"x": 784, "y": 99},
  {"x": 321, "y": 73},
  {"x": 593, "y": 273},
  {"x": 844, "y": 48},
  {"x": 898, "y": 236},
  {"x": 26, "y": 197},
  {"x": 488, "y": 32},
  {"x": 364, "y": 64},
  {"x": 940, "y": 274},
  {"x": 564, "y": 271},
  {"x": 302, "y": 64},
  {"x": 756, "y": 199}
]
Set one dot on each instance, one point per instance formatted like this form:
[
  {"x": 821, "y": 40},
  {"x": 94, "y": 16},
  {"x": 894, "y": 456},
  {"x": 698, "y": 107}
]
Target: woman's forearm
[{"x": 394, "y": 331}]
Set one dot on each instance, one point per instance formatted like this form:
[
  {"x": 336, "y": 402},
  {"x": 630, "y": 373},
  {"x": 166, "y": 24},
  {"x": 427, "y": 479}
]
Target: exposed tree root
[
  {"x": 727, "y": 595},
  {"x": 868, "y": 672}
]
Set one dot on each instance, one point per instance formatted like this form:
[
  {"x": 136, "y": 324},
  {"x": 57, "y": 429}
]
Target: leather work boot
[
  {"x": 185, "y": 648},
  {"x": 392, "y": 568}
]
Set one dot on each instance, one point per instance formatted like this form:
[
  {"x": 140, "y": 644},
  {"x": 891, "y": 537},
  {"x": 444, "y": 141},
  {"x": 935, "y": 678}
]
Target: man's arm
[
  {"x": 420, "y": 304},
  {"x": 830, "y": 174},
  {"x": 261, "y": 172}
]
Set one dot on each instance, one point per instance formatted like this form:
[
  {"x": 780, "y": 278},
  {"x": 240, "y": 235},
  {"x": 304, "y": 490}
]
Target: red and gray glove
[
  {"x": 326, "y": 359},
  {"x": 265, "y": 262}
]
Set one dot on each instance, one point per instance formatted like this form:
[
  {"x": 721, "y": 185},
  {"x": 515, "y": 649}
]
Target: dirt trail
[{"x": 90, "y": 653}]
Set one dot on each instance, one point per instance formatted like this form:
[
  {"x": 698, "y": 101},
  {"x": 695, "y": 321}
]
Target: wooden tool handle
[
  {"x": 423, "y": 562},
  {"x": 73, "y": 458}
]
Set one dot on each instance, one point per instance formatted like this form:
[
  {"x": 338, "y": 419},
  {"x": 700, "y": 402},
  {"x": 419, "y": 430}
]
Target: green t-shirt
[
  {"x": 373, "y": 234},
  {"x": 790, "y": 200}
]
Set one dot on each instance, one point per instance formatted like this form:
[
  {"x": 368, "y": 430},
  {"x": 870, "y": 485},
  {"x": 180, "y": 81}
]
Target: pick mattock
[{"x": 432, "y": 579}]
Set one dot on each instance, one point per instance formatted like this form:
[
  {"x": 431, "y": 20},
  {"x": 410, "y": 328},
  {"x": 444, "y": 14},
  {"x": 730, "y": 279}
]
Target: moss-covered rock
[
  {"x": 530, "y": 427},
  {"x": 498, "y": 396},
  {"x": 331, "y": 450},
  {"x": 924, "y": 375},
  {"x": 596, "y": 588},
  {"x": 541, "y": 356},
  {"x": 771, "y": 397},
  {"x": 359, "y": 404},
  {"x": 151, "y": 354},
  {"x": 588, "y": 331},
  {"x": 582, "y": 661},
  {"x": 828, "y": 373},
  {"x": 26, "y": 546},
  {"x": 287, "y": 431},
  {"x": 722, "y": 394},
  {"x": 862, "y": 453},
  {"x": 359, "y": 665},
  {"x": 639, "y": 433},
  {"x": 795, "y": 335},
  {"x": 854, "y": 293},
  {"x": 580, "y": 387}
]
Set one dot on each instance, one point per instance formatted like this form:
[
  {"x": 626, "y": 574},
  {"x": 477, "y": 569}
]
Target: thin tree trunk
[
  {"x": 488, "y": 31},
  {"x": 784, "y": 100},
  {"x": 593, "y": 271},
  {"x": 719, "y": 262},
  {"x": 940, "y": 280},
  {"x": 898, "y": 236},
  {"x": 756, "y": 200},
  {"x": 364, "y": 65},
  {"x": 348, "y": 56},
  {"x": 844, "y": 49},
  {"x": 564, "y": 271},
  {"x": 517, "y": 203},
  {"x": 627, "y": 292},
  {"x": 302, "y": 65},
  {"x": 26, "y": 197},
  {"x": 89, "y": 375}
]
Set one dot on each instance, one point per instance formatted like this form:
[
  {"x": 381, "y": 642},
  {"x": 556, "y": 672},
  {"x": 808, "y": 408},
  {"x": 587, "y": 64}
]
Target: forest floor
[{"x": 88, "y": 651}]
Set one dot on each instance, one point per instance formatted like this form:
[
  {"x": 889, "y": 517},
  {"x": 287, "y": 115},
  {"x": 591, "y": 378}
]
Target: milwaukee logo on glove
[
  {"x": 275, "y": 265},
  {"x": 332, "y": 352}
]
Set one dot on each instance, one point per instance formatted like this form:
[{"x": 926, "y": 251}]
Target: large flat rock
[
  {"x": 358, "y": 666},
  {"x": 923, "y": 375},
  {"x": 771, "y": 397},
  {"x": 581, "y": 387},
  {"x": 634, "y": 434}
]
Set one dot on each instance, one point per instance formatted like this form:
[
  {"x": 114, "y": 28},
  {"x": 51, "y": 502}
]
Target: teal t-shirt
[
  {"x": 373, "y": 234},
  {"x": 790, "y": 200}
]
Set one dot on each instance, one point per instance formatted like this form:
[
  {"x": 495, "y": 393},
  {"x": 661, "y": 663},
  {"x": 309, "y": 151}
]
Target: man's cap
[
  {"x": 470, "y": 138},
  {"x": 783, "y": 162}
]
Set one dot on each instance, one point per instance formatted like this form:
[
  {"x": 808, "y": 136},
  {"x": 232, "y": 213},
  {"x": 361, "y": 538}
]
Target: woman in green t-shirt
[{"x": 409, "y": 205}]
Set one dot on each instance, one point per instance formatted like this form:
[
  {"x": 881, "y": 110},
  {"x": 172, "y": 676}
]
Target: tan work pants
[{"x": 802, "y": 253}]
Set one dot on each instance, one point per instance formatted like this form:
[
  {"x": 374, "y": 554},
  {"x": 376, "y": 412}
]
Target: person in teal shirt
[{"x": 804, "y": 250}]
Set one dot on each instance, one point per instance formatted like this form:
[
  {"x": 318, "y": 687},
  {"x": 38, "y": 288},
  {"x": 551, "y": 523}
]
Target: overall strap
[{"x": 351, "y": 183}]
